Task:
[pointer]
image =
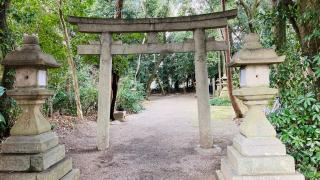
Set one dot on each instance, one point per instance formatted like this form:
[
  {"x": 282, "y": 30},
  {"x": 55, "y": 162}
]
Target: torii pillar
[{"x": 202, "y": 89}]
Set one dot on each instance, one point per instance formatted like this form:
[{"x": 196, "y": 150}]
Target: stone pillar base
[
  {"x": 34, "y": 158},
  {"x": 257, "y": 159}
]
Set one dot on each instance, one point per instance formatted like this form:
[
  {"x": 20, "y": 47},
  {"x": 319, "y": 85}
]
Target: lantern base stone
[
  {"x": 35, "y": 157},
  {"x": 62, "y": 171},
  {"x": 26, "y": 162},
  {"x": 30, "y": 144},
  {"x": 258, "y": 158},
  {"x": 259, "y": 165},
  {"x": 43, "y": 161},
  {"x": 227, "y": 173},
  {"x": 259, "y": 146}
]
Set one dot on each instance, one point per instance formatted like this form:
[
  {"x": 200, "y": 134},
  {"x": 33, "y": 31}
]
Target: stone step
[
  {"x": 32, "y": 162},
  {"x": 259, "y": 146},
  {"x": 257, "y": 165},
  {"x": 55, "y": 172},
  {"x": 30, "y": 144},
  {"x": 228, "y": 174},
  {"x": 44, "y": 160},
  {"x": 14, "y": 162}
]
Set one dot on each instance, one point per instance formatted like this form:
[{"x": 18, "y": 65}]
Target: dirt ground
[{"x": 161, "y": 142}]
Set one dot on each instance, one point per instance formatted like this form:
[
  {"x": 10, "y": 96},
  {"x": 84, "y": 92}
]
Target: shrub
[
  {"x": 64, "y": 101},
  {"x": 130, "y": 95},
  {"x": 298, "y": 126},
  {"x": 9, "y": 113},
  {"x": 220, "y": 102}
]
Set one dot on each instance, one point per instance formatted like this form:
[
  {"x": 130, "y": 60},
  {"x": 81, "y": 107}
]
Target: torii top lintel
[{"x": 185, "y": 23}]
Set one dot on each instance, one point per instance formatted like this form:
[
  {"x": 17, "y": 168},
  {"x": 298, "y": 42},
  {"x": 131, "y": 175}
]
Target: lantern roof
[
  {"x": 253, "y": 53},
  {"x": 30, "y": 55}
]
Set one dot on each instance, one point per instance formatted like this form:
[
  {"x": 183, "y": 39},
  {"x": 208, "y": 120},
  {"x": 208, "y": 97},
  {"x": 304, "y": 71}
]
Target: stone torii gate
[{"x": 106, "y": 48}]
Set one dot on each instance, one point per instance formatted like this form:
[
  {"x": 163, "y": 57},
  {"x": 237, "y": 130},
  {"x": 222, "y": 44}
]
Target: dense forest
[{"x": 291, "y": 27}]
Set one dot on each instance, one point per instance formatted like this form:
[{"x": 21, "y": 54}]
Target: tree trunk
[
  {"x": 70, "y": 61},
  {"x": 161, "y": 86},
  {"x": 234, "y": 103},
  {"x": 152, "y": 39},
  {"x": 154, "y": 73},
  {"x": 250, "y": 11},
  {"x": 115, "y": 80},
  {"x": 305, "y": 26},
  {"x": 119, "y": 7},
  {"x": 280, "y": 25},
  {"x": 115, "y": 76},
  {"x": 6, "y": 79},
  {"x": 139, "y": 62},
  {"x": 310, "y": 46}
]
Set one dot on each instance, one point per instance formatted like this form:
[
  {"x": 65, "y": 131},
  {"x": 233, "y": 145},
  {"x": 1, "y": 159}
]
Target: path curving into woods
[{"x": 161, "y": 142}]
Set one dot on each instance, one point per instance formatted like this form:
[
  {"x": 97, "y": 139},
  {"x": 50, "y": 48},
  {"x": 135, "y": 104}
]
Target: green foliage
[
  {"x": 63, "y": 100},
  {"x": 7, "y": 115},
  {"x": 130, "y": 95},
  {"x": 298, "y": 120},
  {"x": 220, "y": 102},
  {"x": 298, "y": 126}
]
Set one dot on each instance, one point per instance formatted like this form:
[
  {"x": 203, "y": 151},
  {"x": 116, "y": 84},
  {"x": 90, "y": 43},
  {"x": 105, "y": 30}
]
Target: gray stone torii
[{"x": 106, "y": 48}]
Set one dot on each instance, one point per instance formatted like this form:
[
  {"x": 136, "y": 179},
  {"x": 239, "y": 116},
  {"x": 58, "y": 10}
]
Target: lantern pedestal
[
  {"x": 256, "y": 153},
  {"x": 31, "y": 121},
  {"x": 32, "y": 151}
]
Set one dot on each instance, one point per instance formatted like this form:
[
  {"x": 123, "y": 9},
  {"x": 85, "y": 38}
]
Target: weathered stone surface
[
  {"x": 14, "y": 162},
  {"x": 18, "y": 176},
  {"x": 253, "y": 53},
  {"x": 30, "y": 144},
  {"x": 260, "y": 165},
  {"x": 30, "y": 55},
  {"x": 202, "y": 90},
  {"x": 53, "y": 173},
  {"x": 57, "y": 171},
  {"x": 120, "y": 115},
  {"x": 209, "y": 21},
  {"x": 74, "y": 174},
  {"x": 254, "y": 75},
  {"x": 227, "y": 173},
  {"x": 259, "y": 146},
  {"x": 103, "y": 121},
  {"x": 121, "y": 49},
  {"x": 31, "y": 120},
  {"x": 44, "y": 160}
]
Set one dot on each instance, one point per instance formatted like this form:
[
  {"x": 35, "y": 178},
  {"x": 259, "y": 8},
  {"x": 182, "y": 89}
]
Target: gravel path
[{"x": 159, "y": 143}]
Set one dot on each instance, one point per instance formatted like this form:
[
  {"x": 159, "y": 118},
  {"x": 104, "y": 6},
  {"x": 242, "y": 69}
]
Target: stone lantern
[
  {"x": 32, "y": 151},
  {"x": 30, "y": 85},
  {"x": 224, "y": 90},
  {"x": 256, "y": 152}
]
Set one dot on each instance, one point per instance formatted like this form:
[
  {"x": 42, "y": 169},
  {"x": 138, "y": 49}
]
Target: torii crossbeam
[{"x": 106, "y": 48}]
